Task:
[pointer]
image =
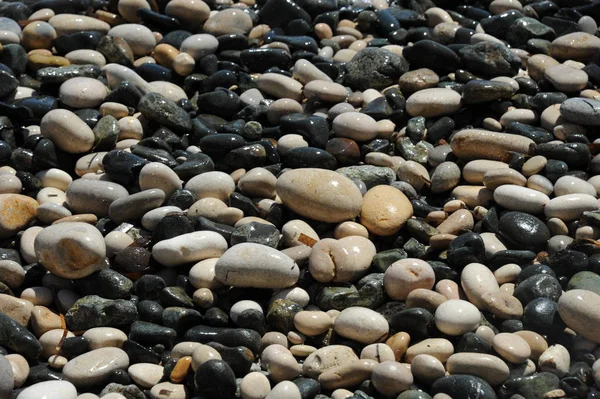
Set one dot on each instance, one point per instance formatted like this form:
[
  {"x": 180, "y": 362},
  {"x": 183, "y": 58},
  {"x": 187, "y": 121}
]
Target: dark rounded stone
[
  {"x": 541, "y": 315},
  {"x": 75, "y": 346},
  {"x": 374, "y": 68},
  {"x": 309, "y": 388},
  {"x": 432, "y": 55},
  {"x": 463, "y": 386},
  {"x": 150, "y": 334},
  {"x": 470, "y": 342},
  {"x": 106, "y": 283},
  {"x": 309, "y": 157},
  {"x": 538, "y": 286},
  {"x": 417, "y": 322},
  {"x": 150, "y": 311},
  {"x": 523, "y": 231},
  {"x": 215, "y": 379}
]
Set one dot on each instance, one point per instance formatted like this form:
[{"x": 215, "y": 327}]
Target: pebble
[
  {"x": 49, "y": 390},
  {"x": 69, "y": 132},
  {"x": 433, "y": 102},
  {"x": 71, "y": 250},
  {"x": 320, "y": 194},
  {"x": 577, "y": 310},
  {"x": 511, "y": 347},
  {"x": 456, "y": 317},
  {"x": 385, "y": 210},
  {"x": 257, "y": 266},
  {"x": 190, "y": 247},
  {"x": 94, "y": 367}
]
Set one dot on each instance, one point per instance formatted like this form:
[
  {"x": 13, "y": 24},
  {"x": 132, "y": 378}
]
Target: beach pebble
[
  {"x": 49, "y": 390},
  {"x": 456, "y": 317},
  {"x": 362, "y": 325},
  {"x": 71, "y": 250}
]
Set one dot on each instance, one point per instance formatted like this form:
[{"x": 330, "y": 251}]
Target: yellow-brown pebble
[{"x": 385, "y": 210}]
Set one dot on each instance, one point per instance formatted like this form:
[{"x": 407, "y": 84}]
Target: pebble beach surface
[{"x": 299, "y": 199}]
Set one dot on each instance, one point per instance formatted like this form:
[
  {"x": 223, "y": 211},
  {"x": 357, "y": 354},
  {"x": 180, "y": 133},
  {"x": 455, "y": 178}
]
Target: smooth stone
[
  {"x": 140, "y": 38},
  {"x": 327, "y": 358},
  {"x": 532, "y": 386},
  {"x": 490, "y": 59},
  {"x": 102, "y": 337},
  {"x": 16, "y": 212},
  {"x": 488, "y": 367},
  {"x": 385, "y": 210},
  {"x": 190, "y": 247},
  {"x": 470, "y": 144},
  {"x": 585, "y": 280},
  {"x": 320, "y": 194},
  {"x": 73, "y": 23},
  {"x": 571, "y": 206},
  {"x": 522, "y": 199},
  {"x": 280, "y": 86},
  {"x": 93, "y": 196},
  {"x": 17, "y": 309},
  {"x": 71, "y": 250},
  {"x": 440, "y": 348},
  {"x": 433, "y": 102},
  {"x": 511, "y": 347},
  {"x": 95, "y": 366},
  {"x": 391, "y": 378},
  {"x": 462, "y": 385},
  {"x": 456, "y": 317},
  {"x": 164, "y": 111},
  {"x": 565, "y": 78},
  {"x": 361, "y": 324},
  {"x": 82, "y": 92},
  {"x": 577, "y": 308},
  {"x": 355, "y": 126},
  {"x": 346, "y": 376},
  {"x": 254, "y": 385},
  {"x": 49, "y": 390},
  {"x": 146, "y": 375},
  {"x": 406, "y": 275},
  {"x": 583, "y": 111},
  {"x": 578, "y": 46},
  {"x": 228, "y": 21},
  {"x": 67, "y": 131},
  {"x": 573, "y": 185},
  {"x": 524, "y": 231},
  {"x": 476, "y": 280},
  {"x": 257, "y": 266}
]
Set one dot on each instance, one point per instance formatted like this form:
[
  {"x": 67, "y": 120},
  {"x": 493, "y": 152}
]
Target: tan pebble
[
  {"x": 347, "y": 229},
  {"x": 20, "y": 368},
  {"x": 167, "y": 390},
  {"x": 114, "y": 109},
  {"x": 202, "y": 354},
  {"x": 507, "y": 273},
  {"x": 128, "y": 9},
  {"x": 507, "y": 288},
  {"x": 312, "y": 322},
  {"x": 522, "y": 199},
  {"x": 399, "y": 343},
  {"x": 406, "y": 275},
  {"x": 440, "y": 348},
  {"x": 425, "y": 298},
  {"x": 255, "y": 385},
  {"x": 103, "y": 337},
  {"x": 511, "y": 347},
  {"x": 285, "y": 390},
  {"x": 476, "y": 280},
  {"x": 341, "y": 394},
  {"x": 280, "y": 86},
  {"x": 320, "y": 194},
  {"x": 83, "y": 57},
  {"x": 473, "y": 196},
  {"x": 378, "y": 352},
  {"x": 344, "y": 55},
  {"x": 571, "y": 206},
  {"x": 486, "y": 333},
  {"x": 579, "y": 310},
  {"x": 43, "y": 14},
  {"x": 12, "y": 273},
  {"x": 503, "y": 306},
  {"x": 566, "y": 78},
  {"x": 282, "y": 107},
  {"x": 448, "y": 288},
  {"x": 258, "y": 182},
  {"x": 579, "y": 46},
  {"x": 433, "y": 102},
  {"x": 71, "y": 23},
  {"x": 17, "y": 309},
  {"x": 414, "y": 174},
  {"x": 296, "y": 338},
  {"x": 454, "y": 206},
  {"x": 556, "y": 360},
  {"x": 474, "y": 171},
  {"x": 540, "y": 183},
  {"x": 495, "y": 178},
  {"x": 302, "y": 350},
  {"x": 427, "y": 368},
  {"x": 500, "y": 6},
  {"x": 391, "y": 378},
  {"x": 456, "y": 222},
  {"x": 385, "y": 210},
  {"x": 418, "y": 79},
  {"x": 536, "y": 342},
  {"x": 323, "y": 31},
  {"x": 491, "y": 368},
  {"x": 362, "y": 325},
  {"x": 57, "y": 362},
  {"x": 341, "y": 260},
  {"x": 471, "y": 144},
  {"x": 355, "y": 126},
  {"x": 325, "y": 91},
  {"x": 38, "y": 35},
  {"x": 50, "y": 340},
  {"x": 441, "y": 241},
  {"x": 347, "y": 375},
  {"x": 327, "y": 358},
  {"x": 290, "y": 141},
  {"x": 43, "y": 320},
  {"x": 281, "y": 364},
  {"x": 456, "y": 317},
  {"x": 213, "y": 184}
]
